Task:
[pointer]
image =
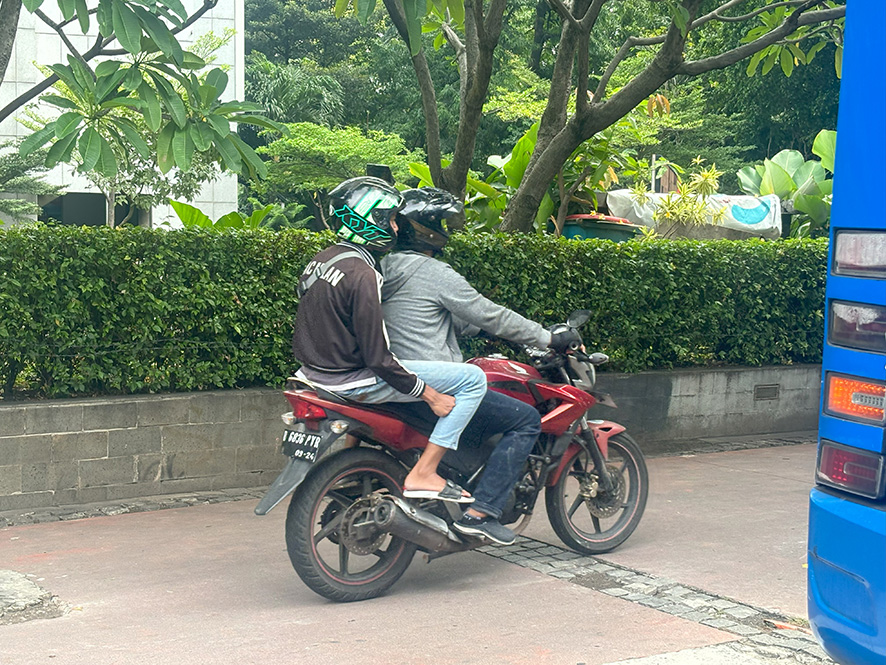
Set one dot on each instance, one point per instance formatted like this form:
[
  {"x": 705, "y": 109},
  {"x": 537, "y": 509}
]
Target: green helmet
[{"x": 363, "y": 208}]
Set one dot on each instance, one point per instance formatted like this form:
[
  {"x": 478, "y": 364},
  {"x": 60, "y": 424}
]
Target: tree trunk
[
  {"x": 538, "y": 36},
  {"x": 110, "y": 214},
  {"x": 9, "y": 13}
]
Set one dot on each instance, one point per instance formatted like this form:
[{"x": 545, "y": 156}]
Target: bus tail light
[
  {"x": 860, "y": 253},
  {"x": 850, "y": 469},
  {"x": 856, "y": 399},
  {"x": 858, "y": 326}
]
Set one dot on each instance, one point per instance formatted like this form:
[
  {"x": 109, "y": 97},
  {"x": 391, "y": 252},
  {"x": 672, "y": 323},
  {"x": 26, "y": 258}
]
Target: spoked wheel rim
[
  {"x": 336, "y": 519},
  {"x": 601, "y": 518}
]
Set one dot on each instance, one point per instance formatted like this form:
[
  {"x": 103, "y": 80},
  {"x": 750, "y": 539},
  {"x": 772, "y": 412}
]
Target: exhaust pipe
[{"x": 428, "y": 531}]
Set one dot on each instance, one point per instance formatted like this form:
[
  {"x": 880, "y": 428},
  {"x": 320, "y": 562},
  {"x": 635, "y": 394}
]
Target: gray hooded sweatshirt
[{"x": 427, "y": 305}]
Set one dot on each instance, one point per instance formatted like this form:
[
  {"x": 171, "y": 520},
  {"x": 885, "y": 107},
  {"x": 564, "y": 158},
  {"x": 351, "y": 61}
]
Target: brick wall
[{"x": 81, "y": 451}]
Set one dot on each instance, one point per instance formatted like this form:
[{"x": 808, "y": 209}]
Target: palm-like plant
[{"x": 22, "y": 175}]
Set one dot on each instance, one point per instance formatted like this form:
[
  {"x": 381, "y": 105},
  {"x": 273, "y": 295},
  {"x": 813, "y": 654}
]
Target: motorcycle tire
[
  {"x": 334, "y": 564},
  {"x": 594, "y": 525}
]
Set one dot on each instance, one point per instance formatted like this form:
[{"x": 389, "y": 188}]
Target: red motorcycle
[{"x": 350, "y": 533}]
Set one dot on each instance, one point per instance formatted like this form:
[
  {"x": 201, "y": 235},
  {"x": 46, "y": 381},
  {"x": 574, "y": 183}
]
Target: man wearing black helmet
[
  {"x": 341, "y": 341},
  {"x": 427, "y": 305}
]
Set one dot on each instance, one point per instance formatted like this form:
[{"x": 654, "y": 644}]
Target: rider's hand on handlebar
[
  {"x": 564, "y": 340},
  {"x": 440, "y": 403}
]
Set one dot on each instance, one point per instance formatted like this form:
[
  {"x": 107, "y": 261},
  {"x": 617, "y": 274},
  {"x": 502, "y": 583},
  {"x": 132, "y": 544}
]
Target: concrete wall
[
  {"x": 81, "y": 451},
  {"x": 699, "y": 403}
]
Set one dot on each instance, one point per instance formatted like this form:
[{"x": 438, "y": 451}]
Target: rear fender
[
  {"x": 602, "y": 430},
  {"x": 293, "y": 474}
]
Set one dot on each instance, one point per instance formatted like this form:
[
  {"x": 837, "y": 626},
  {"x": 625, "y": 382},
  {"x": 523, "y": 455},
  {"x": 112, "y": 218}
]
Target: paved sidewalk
[{"x": 714, "y": 575}]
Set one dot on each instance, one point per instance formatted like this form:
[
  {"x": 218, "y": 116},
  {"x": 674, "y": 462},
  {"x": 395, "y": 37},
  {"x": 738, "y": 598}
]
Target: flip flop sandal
[{"x": 451, "y": 492}]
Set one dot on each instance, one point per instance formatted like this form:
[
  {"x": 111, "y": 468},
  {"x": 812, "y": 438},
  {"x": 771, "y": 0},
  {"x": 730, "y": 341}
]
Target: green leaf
[
  {"x": 123, "y": 101},
  {"x": 107, "y": 162},
  {"x": 32, "y": 5},
  {"x": 808, "y": 176},
  {"x": 414, "y": 10},
  {"x": 789, "y": 160},
  {"x": 90, "y": 147},
  {"x": 68, "y": 8},
  {"x": 825, "y": 147},
  {"x": 82, "y": 74},
  {"x": 341, "y": 6},
  {"x": 218, "y": 80},
  {"x": 364, "y": 10},
  {"x": 190, "y": 216},
  {"x": 165, "y": 158},
  {"x": 257, "y": 168},
  {"x": 133, "y": 137},
  {"x": 182, "y": 148},
  {"x": 229, "y": 153},
  {"x": 67, "y": 123},
  {"x": 838, "y": 62},
  {"x": 82, "y": 15},
  {"x": 127, "y": 27},
  {"x": 520, "y": 155},
  {"x": 422, "y": 172},
  {"x": 545, "y": 210},
  {"x": 749, "y": 180},
  {"x": 61, "y": 150},
  {"x": 681, "y": 18},
  {"x": 484, "y": 188},
  {"x": 769, "y": 62},
  {"x": 813, "y": 206},
  {"x": 776, "y": 181},
  {"x": 171, "y": 99},
  {"x": 259, "y": 121},
  {"x": 201, "y": 135},
  {"x": 787, "y": 62},
  {"x": 107, "y": 68},
  {"x": 105, "y": 86},
  {"x": 176, "y": 6},
  {"x": 37, "y": 140},
  {"x": 62, "y": 102},
  {"x": 219, "y": 124},
  {"x": 151, "y": 109},
  {"x": 160, "y": 33},
  {"x": 105, "y": 16}
]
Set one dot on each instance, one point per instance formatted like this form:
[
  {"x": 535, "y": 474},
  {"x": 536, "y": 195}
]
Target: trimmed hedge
[{"x": 96, "y": 310}]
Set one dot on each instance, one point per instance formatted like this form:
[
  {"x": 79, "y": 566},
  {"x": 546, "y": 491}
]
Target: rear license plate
[{"x": 301, "y": 445}]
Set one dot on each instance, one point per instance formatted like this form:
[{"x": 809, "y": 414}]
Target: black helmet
[
  {"x": 363, "y": 208},
  {"x": 423, "y": 218}
]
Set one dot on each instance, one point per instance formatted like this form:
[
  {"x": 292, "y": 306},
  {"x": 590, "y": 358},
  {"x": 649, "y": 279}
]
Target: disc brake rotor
[
  {"x": 357, "y": 530},
  {"x": 601, "y": 503}
]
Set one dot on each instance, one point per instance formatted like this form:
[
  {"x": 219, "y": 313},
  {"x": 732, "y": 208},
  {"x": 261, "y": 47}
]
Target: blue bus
[{"x": 847, "y": 507}]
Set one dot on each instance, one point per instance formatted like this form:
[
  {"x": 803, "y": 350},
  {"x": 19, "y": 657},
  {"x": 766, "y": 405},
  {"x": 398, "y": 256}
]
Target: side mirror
[{"x": 578, "y": 318}]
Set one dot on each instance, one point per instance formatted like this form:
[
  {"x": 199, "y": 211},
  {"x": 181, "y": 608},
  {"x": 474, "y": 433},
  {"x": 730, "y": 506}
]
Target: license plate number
[{"x": 301, "y": 445}]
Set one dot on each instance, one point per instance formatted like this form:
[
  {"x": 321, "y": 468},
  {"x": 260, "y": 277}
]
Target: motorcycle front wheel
[
  {"x": 332, "y": 545},
  {"x": 588, "y": 519}
]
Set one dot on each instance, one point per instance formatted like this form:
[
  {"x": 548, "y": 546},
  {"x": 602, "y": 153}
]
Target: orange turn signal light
[{"x": 856, "y": 399}]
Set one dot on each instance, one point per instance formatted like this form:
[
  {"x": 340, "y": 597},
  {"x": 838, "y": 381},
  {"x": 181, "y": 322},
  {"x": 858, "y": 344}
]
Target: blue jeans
[
  {"x": 467, "y": 383},
  {"x": 520, "y": 424}
]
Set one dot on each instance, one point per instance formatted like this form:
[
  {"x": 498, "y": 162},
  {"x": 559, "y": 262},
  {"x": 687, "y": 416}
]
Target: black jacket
[{"x": 340, "y": 335}]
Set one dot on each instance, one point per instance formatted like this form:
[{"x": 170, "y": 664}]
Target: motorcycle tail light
[
  {"x": 850, "y": 469},
  {"x": 307, "y": 411},
  {"x": 856, "y": 399}
]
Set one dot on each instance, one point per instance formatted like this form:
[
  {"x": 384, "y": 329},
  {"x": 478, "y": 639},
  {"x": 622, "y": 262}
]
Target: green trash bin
[{"x": 591, "y": 225}]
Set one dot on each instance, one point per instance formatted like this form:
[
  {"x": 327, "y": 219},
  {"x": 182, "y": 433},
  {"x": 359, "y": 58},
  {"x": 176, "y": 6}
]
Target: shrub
[{"x": 98, "y": 310}]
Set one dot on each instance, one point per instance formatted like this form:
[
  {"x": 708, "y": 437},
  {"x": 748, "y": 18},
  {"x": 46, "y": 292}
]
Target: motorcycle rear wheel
[
  {"x": 594, "y": 525},
  {"x": 332, "y": 563}
]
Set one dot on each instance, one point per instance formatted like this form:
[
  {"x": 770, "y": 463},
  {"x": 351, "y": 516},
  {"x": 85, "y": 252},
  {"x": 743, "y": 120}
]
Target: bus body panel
[
  {"x": 847, "y": 533},
  {"x": 847, "y": 579}
]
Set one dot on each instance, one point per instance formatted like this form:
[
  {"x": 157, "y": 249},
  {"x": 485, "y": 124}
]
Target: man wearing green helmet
[{"x": 341, "y": 340}]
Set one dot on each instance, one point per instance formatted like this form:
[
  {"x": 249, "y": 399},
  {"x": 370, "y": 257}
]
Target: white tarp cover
[{"x": 756, "y": 216}]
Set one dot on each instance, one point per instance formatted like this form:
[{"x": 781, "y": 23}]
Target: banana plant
[
  {"x": 803, "y": 184},
  {"x": 192, "y": 217}
]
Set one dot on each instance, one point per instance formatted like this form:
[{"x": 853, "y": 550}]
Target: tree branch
[
  {"x": 61, "y": 33},
  {"x": 790, "y": 24},
  {"x": 745, "y": 17}
]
